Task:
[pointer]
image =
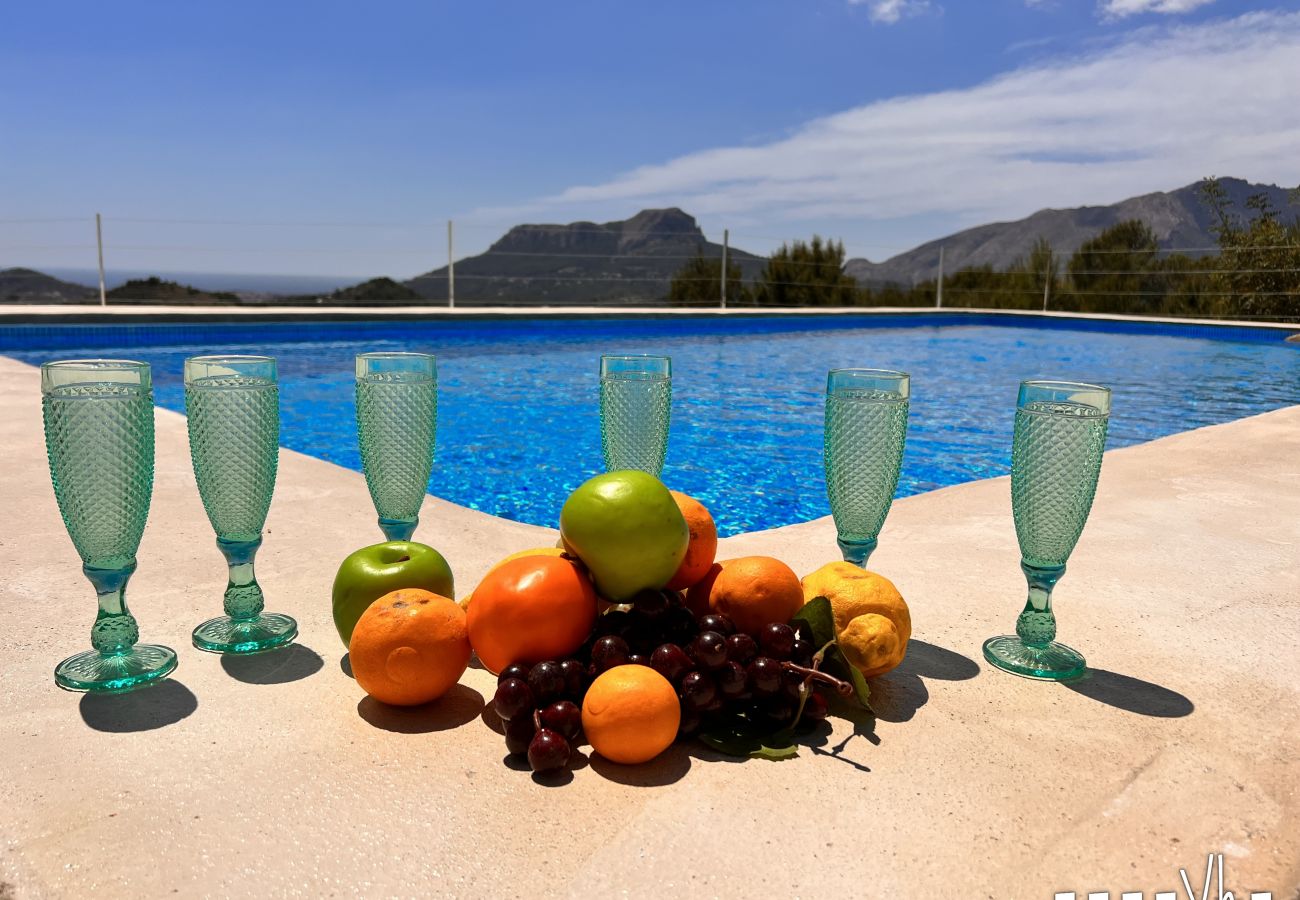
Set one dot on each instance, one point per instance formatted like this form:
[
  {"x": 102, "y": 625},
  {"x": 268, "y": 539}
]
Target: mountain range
[
  {"x": 1180, "y": 219},
  {"x": 582, "y": 263},
  {"x": 633, "y": 260}
]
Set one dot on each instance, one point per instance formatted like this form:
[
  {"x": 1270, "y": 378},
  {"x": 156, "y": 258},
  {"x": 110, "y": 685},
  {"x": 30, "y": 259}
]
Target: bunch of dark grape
[
  {"x": 716, "y": 670},
  {"x": 541, "y": 708}
]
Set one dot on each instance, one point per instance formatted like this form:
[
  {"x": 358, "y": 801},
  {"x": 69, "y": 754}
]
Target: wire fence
[{"x": 553, "y": 265}]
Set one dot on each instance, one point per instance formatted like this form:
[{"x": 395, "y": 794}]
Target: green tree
[
  {"x": 699, "y": 281},
  {"x": 806, "y": 274},
  {"x": 1116, "y": 271},
  {"x": 1258, "y": 267}
]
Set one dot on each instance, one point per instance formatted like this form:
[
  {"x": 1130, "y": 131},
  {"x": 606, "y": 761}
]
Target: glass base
[
  {"x": 1052, "y": 662},
  {"x": 225, "y": 635},
  {"x": 92, "y": 671}
]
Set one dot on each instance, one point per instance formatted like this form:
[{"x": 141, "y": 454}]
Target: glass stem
[
  {"x": 857, "y": 552},
  {"x": 115, "y": 631},
  {"x": 398, "y": 529},
  {"x": 244, "y": 600},
  {"x": 1036, "y": 626}
]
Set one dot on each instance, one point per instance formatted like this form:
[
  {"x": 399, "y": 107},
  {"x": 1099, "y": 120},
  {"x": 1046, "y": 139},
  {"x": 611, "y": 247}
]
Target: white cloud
[
  {"x": 1119, "y": 9},
  {"x": 1160, "y": 108},
  {"x": 890, "y": 11}
]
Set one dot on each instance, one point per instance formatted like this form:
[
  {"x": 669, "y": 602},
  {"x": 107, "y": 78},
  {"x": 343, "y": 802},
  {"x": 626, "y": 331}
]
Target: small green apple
[
  {"x": 627, "y": 529},
  {"x": 369, "y": 573}
]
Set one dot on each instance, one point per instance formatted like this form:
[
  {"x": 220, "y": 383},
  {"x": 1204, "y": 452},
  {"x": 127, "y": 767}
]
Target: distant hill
[
  {"x": 1179, "y": 219},
  {"x": 582, "y": 263},
  {"x": 375, "y": 292},
  {"x": 158, "y": 290},
  {"x": 29, "y": 286}
]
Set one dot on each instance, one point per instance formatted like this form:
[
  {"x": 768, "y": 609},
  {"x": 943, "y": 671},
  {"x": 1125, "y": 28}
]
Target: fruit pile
[{"x": 629, "y": 635}]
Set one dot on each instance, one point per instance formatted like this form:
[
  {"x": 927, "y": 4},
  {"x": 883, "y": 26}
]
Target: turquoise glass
[
  {"x": 1056, "y": 453},
  {"x": 636, "y": 396},
  {"x": 233, "y": 406},
  {"x": 866, "y": 430},
  {"x": 99, "y": 438},
  {"x": 397, "y": 423}
]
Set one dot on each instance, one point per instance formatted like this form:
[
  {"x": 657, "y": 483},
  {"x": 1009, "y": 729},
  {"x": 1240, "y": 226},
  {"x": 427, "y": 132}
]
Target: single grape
[
  {"x": 650, "y": 603},
  {"x": 638, "y": 659},
  {"x": 513, "y": 697},
  {"x": 802, "y": 652},
  {"x": 717, "y": 622},
  {"x": 547, "y": 681},
  {"x": 816, "y": 708},
  {"x": 564, "y": 717},
  {"x": 575, "y": 678},
  {"x": 679, "y": 625},
  {"x": 764, "y": 675},
  {"x": 776, "y": 640},
  {"x": 516, "y": 670},
  {"x": 671, "y": 662},
  {"x": 609, "y": 651},
  {"x": 709, "y": 649},
  {"x": 779, "y": 711},
  {"x": 613, "y": 622},
  {"x": 548, "y": 751},
  {"x": 790, "y": 682},
  {"x": 519, "y": 732},
  {"x": 741, "y": 648},
  {"x": 732, "y": 680},
  {"x": 697, "y": 691}
]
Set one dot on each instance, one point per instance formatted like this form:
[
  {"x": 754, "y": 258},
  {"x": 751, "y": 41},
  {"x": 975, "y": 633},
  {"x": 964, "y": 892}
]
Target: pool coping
[{"x": 21, "y": 314}]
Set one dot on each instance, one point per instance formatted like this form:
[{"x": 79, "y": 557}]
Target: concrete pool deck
[{"x": 275, "y": 776}]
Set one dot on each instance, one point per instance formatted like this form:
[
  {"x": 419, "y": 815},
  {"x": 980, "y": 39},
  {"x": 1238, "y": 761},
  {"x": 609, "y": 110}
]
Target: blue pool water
[{"x": 518, "y": 424}]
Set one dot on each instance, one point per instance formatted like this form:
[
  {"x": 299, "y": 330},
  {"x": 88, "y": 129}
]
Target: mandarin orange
[
  {"x": 409, "y": 647},
  {"x": 703, "y": 545}
]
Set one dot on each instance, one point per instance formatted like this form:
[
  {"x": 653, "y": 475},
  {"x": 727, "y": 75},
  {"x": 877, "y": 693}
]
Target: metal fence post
[
  {"x": 725, "y": 240},
  {"x": 451, "y": 271},
  {"x": 99, "y": 240}
]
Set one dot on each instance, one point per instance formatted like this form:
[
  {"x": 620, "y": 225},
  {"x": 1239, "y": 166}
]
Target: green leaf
[
  {"x": 815, "y": 622},
  {"x": 777, "y": 746},
  {"x": 836, "y": 664},
  {"x": 739, "y": 737}
]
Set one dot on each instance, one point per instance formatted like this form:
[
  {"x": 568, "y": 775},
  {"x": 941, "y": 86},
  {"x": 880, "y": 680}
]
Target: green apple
[
  {"x": 626, "y": 528},
  {"x": 369, "y": 573}
]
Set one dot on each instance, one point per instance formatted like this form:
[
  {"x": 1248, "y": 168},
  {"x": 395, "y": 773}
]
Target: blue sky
[{"x": 882, "y": 122}]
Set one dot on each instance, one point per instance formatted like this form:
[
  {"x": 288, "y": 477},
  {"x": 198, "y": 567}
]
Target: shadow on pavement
[
  {"x": 280, "y": 666},
  {"x": 666, "y": 768},
  {"x": 166, "y": 703},
  {"x": 1131, "y": 694},
  {"x": 897, "y": 696},
  {"x": 459, "y": 705}
]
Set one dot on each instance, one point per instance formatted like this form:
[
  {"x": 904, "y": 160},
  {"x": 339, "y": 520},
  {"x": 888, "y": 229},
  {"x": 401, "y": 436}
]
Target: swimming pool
[{"x": 518, "y": 424}]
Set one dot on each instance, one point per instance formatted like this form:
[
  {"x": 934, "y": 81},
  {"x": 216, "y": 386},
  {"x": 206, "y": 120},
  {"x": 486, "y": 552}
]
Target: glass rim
[
  {"x": 395, "y": 354},
  {"x": 888, "y": 373},
  {"x": 634, "y": 356},
  {"x": 223, "y": 358},
  {"x": 92, "y": 364},
  {"x": 1064, "y": 385}
]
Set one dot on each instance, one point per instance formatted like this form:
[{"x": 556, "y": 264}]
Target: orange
[
  {"x": 531, "y": 609},
  {"x": 872, "y": 621},
  {"x": 703, "y": 545},
  {"x": 754, "y": 591},
  {"x": 631, "y": 714},
  {"x": 409, "y": 647}
]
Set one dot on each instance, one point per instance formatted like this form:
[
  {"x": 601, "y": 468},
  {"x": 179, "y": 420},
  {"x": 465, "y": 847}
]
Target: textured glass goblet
[
  {"x": 1056, "y": 453},
  {"x": 233, "y": 404},
  {"x": 866, "y": 429},
  {"x": 397, "y": 422},
  {"x": 99, "y": 438},
  {"x": 636, "y": 394}
]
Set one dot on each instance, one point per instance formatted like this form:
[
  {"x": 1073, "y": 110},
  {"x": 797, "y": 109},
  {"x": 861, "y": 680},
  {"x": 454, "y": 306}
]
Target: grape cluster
[
  {"x": 540, "y": 707},
  {"x": 715, "y": 669}
]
